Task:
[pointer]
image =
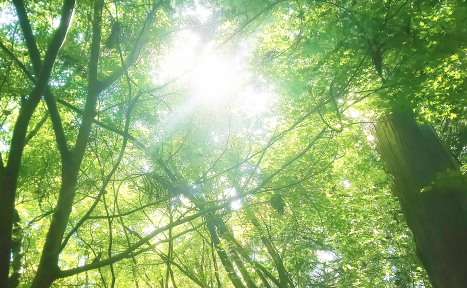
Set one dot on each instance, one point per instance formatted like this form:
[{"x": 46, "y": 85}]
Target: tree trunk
[
  {"x": 432, "y": 193},
  {"x": 228, "y": 265},
  {"x": 283, "y": 276}
]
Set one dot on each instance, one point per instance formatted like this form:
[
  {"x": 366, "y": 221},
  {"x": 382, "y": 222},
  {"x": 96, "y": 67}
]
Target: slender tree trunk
[
  {"x": 224, "y": 257},
  {"x": 16, "y": 253},
  {"x": 216, "y": 270},
  {"x": 169, "y": 252},
  {"x": 246, "y": 276},
  {"x": 228, "y": 265},
  {"x": 436, "y": 212},
  {"x": 48, "y": 269},
  {"x": 9, "y": 174},
  {"x": 244, "y": 253},
  {"x": 283, "y": 276}
]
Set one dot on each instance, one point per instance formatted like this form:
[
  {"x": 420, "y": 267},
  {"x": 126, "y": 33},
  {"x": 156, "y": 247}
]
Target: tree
[
  {"x": 431, "y": 190},
  {"x": 101, "y": 79},
  {"x": 123, "y": 170},
  {"x": 406, "y": 54}
]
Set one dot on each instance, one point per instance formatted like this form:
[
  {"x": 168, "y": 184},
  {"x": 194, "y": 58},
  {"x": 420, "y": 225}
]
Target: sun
[{"x": 215, "y": 80}]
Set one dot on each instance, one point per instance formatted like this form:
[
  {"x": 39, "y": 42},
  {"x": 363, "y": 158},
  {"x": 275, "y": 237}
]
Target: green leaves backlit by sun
[{"x": 232, "y": 151}]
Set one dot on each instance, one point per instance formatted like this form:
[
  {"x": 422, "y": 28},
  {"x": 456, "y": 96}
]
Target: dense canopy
[{"x": 231, "y": 143}]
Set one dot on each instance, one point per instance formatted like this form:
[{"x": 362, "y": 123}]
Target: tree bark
[{"x": 435, "y": 210}]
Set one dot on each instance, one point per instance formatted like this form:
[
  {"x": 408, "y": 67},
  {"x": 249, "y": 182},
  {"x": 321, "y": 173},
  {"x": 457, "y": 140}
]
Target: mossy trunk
[{"x": 432, "y": 194}]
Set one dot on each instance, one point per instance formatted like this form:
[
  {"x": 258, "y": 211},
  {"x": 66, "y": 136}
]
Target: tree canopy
[{"x": 228, "y": 143}]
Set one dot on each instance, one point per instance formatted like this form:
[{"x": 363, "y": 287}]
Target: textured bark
[{"x": 413, "y": 156}]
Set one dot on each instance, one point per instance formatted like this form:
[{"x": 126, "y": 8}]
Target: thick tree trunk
[{"x": 432, "y": 193}]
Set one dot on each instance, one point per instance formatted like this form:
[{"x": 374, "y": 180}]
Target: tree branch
[
  {"x": 125, "y": 213},
  {"x": 49, "y": 94},
  {"x": 93, "y": 86},
  {"x": 135, "y": 53},
  {"x": 82, "y": 220},
  {"x": 34, "y": 54},
  {"x": 105, "y": 126},
  {"x": 127, "y": 252},
  {"x": 28, "y": 36},
  {"x": 36, "y": 129}
]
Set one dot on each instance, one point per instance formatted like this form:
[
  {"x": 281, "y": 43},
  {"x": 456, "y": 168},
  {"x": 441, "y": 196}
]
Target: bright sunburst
[
  {"x": 215, "y": 80},
  {"x": 213, "y": 77}
]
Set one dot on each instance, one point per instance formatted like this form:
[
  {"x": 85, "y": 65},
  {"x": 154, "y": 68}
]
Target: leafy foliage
[{"x": 274, "y": 181}]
